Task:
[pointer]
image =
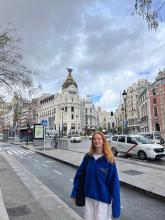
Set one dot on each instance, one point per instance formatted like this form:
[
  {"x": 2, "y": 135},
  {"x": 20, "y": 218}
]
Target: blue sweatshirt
[{"x": 101, "y": 182}]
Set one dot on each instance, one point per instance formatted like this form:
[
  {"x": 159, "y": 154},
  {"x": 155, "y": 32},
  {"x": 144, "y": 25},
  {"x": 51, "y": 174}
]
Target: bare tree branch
[
  {"x": 144, "y": 8},
  {"x": 13, "y": 74}
]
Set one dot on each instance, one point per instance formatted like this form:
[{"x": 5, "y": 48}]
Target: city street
[
  {"x": 58, "y": 177},
  {"x": 72, "y": 71}
]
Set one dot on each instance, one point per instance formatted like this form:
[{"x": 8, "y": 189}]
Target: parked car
[
  {"x": 106, "y": 135},
  {"x": 75, "y": 138},
  {"x": 136, "y": 145},
  {"x": 154, "y": 137}
]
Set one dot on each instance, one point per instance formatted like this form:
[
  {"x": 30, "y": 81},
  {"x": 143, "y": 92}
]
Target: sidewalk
[
  {"x": 146, "y": 178},
  {"x": 24, "y": 197}
]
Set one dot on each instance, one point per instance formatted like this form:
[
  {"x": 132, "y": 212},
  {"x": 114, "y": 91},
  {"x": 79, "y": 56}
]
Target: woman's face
[{"x": 98, "y": 143}]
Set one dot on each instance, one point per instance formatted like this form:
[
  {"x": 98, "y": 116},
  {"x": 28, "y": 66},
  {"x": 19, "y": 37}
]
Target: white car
[
  {"x": 136, "y": 145},
  {"x": 154, "y": 137},
  {"x": 106, "y": 135},
  {"x": 75, "y": 138}
]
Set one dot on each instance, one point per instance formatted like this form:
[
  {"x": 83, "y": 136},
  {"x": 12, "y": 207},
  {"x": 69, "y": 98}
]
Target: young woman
[{"x": 102, "y": 193}]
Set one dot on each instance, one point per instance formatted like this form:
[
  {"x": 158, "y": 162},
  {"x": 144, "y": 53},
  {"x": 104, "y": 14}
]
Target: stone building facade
[
  {"x": 157, "y": 104},
  {"x": 106, "y": 120},
  {"x": 66, "y": 112},
  {"x": 132, "y": 105},
  {"x": 144, "y": 115}
]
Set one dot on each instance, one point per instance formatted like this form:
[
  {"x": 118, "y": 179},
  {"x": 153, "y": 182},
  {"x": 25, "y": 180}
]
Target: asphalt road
[{"x": 59, "y": 178}]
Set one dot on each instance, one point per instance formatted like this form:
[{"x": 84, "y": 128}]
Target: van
[
  {"x": 154, "y": 137},
  {"x": 136, "y": 145}
]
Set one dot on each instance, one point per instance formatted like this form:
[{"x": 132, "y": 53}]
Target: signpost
[{"x": 44, "y": 123}]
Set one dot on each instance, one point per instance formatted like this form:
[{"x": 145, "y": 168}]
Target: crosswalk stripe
[
  {"x": 29, "y": 151},
  {"x": 9, "y": 152},
  {"x": 15, "y": 152},
  {"x": 21, "y": 152},
  {"x": 25, "y": 151}
]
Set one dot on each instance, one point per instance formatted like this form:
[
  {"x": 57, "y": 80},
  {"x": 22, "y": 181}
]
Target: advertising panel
[{"x": 38, "y": 131}]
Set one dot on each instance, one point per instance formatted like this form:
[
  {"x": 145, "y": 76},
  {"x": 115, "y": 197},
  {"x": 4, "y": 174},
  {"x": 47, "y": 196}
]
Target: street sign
[{"x": 44, "y": 122}]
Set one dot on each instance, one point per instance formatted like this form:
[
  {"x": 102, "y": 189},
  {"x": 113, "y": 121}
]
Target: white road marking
[
  {"x": 9, "y": 152},
  {"x": 36, "y": 161},
  {"x": 21, "y": 152},
  {"x": 27, "y": 151},
  {"x": 45, "y": 165},
  {"x": 57, "y": 172},
  {"x": 15, "y": 152},
  {"x": 49, "y": 161},
  {"x": 71, "y": 179}
]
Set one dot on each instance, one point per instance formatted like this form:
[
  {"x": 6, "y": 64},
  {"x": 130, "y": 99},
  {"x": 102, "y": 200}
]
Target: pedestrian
[
  {"x": 55, "y": 140},
  {"x": 101, "y": 187}
]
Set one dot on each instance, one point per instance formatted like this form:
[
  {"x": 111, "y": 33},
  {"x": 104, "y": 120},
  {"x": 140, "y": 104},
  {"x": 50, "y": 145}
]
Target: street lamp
[
  {"x": 36, "y": 118},
  {"x": 76, "y": 124},
  {"x": 122, "y": 110},
  {"x": 62, "y": 122},
  {"x": 124, "y": 94}
]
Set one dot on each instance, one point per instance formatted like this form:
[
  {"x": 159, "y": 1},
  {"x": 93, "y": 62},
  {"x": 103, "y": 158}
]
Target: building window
[
  {"x": 86, "y": 110},
  {"x": 72, "y": 99},
  {"x": 155, "y": 111},
  {"x": 72, "y": 116},
  {"x": 154, "y": 101},
  {"x": 73, "y": 126},
  {"x": 65, "y": 109},
  {"x": 72, "y": 109},
  {"x": 154, "y": 91}
]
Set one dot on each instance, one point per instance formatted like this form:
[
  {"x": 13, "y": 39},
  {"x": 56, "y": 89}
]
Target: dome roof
[
  {"x": 69, "y": 81},
  {"x": 161, "y": 75}
]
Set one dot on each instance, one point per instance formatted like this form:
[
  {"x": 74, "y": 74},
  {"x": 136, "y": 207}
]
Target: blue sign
[
  {"x": 44, "y": 122},
  {"x": 125, "y": 122}
]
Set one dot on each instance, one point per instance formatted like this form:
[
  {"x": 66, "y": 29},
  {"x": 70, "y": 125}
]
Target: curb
[
  {"x": 3, "y": 212},
  {"x": 122, "y": 183}
]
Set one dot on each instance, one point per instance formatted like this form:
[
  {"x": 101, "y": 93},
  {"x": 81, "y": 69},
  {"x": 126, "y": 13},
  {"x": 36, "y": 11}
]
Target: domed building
[
  {"x": 66, "y": 112},
  {"x": 69, "y": 106}
]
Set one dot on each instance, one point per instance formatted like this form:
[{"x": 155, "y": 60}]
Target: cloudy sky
[{"x": 107, "y": 47}]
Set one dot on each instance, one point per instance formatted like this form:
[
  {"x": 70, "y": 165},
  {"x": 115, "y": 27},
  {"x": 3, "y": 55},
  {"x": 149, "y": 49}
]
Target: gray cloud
[{"x": 100, "y": 40}]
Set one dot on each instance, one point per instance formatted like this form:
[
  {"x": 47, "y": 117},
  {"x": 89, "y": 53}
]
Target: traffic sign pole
[
  {"x": 44, "y": 138},
  {"x": 44, "y": 123}
]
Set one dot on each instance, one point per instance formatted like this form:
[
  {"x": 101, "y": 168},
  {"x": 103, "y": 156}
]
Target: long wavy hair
[{"x": 106, "y": 147}]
